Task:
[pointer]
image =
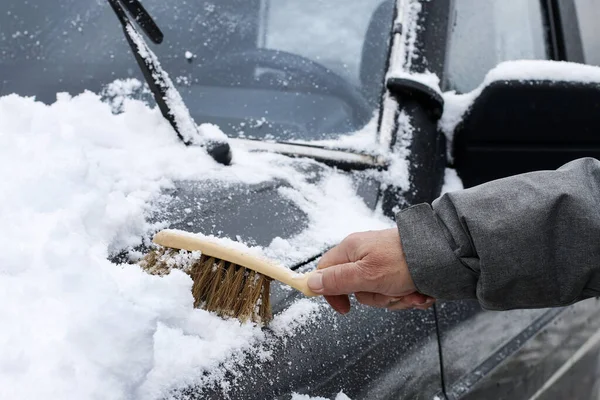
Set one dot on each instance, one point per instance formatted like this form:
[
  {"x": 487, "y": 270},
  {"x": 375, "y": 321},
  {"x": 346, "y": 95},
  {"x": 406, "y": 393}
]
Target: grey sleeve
[{"x": 527, "y": 241}]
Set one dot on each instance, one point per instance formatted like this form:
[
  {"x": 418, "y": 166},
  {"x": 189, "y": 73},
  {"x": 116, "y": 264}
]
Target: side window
[
  {"x": 486, "y": 33},
  {"x": 588, "y": 14}
]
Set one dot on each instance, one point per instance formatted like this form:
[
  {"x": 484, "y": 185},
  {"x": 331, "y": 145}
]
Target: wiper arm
[{"x": 165, "y": 93}]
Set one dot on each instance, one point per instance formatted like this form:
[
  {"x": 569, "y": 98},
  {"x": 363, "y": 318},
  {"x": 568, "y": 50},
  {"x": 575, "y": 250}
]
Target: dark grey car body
[{"x": 455, "y": 350}]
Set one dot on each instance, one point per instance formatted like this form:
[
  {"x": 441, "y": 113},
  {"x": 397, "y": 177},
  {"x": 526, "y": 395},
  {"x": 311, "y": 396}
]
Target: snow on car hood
[{"x": 78, "y": 180}]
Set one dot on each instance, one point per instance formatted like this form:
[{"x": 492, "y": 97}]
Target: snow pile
[
  {"x": 77, "y": 182},
  {"x": 118, "y": 91},
  {"x": 297, "y": 396}
]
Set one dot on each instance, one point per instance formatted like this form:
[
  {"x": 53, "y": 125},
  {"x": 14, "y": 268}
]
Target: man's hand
[{"x": 371, "y": 265}]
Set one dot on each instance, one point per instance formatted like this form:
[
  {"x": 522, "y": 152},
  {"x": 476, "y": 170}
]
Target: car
[{"x": 300, "y": 79}]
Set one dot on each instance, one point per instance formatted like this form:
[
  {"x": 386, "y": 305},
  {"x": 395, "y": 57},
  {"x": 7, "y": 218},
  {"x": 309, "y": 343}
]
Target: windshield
[
  {"x": 284, "y": 69},
  {"x": 487, "y": 33}
]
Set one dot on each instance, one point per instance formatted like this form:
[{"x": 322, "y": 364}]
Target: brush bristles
[{"x": 219, "y": 286}]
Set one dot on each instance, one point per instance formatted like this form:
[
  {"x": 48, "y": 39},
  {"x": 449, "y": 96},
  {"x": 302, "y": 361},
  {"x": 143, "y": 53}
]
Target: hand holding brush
[{"x": 233, "y": 281}]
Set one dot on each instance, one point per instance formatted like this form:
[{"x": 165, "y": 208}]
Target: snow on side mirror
[{"x": 527, "y": 116}]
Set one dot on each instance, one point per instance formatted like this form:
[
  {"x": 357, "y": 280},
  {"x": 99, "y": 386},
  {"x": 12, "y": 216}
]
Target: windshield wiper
[{"x": 165, "y": 94}]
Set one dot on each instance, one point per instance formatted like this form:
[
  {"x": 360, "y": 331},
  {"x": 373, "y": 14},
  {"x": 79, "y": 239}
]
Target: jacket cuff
[{"x": 433, "y": 265}]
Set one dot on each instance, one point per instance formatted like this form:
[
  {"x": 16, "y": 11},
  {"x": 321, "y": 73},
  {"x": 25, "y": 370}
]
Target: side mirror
[{"x": 516, "y": 126}]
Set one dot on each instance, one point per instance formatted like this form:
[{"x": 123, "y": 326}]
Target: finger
[
  {"x": 400, "y": 305},
  {"x": 335, "y": 256},
  {"x": 427, "y": 304},
  {"x": 416, "y": 299},
  {"x": 339, "y": 279},
  {"x": 340, "y": 303},
  {"x": 375, "y": 299},
  {"x": 406, "y": 303}
]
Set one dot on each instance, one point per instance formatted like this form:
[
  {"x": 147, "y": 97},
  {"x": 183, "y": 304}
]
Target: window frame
[{"x": 562, "y": 27}]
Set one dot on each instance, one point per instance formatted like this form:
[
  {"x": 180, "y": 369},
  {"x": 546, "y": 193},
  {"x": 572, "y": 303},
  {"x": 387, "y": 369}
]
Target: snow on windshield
[{"x": 78, "y": 180}]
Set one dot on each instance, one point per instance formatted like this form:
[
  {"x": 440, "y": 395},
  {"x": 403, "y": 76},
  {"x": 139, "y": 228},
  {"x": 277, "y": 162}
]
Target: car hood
[
  {"x": 100, "y": 182},
  {"x": 259, "y": 213},
  {"x": 318, "y": 358}
]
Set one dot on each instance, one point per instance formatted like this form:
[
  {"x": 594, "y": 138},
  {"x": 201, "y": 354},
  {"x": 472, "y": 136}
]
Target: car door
[{"x": 517, "y": 354}]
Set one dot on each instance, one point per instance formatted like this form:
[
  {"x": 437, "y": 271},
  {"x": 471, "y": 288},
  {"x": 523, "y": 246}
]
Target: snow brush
[{"x": 229, "y": 280}]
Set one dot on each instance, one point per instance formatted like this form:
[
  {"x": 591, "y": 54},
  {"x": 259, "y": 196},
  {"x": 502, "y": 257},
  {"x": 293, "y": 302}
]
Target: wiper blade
[
  {"x": 165, "y": 93},
  {"x": 144, "y": 20}
]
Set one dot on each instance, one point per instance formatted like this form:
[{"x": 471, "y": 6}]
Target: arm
[
  {"x": 532, "y": 240},
  {"x": 527, "y": 241}
]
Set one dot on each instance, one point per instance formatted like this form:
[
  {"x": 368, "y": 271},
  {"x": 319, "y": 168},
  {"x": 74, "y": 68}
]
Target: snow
[
  {"x": 523, "y": 70},
  {"x": 182, "y": 354},
  {"x": 361, "y": 141},
  {"x": 118, "y": 91},
  {"x": 457, "y": 105},
  {"x": 78, "y": 182},
  {"x": 405, "y": 52},
  {"x": 340, "y": 396},
  {"x": 402, "y": 54},
  {"x": 408, "y": 16},
  {"x": 329, "y": 212},
  {"x": 122, "y": 88},
  {"x": 297, "y": 314},
  {"x": 403, "y": 57},
  {"x": 397, "y": 173},
  {"x": 452, "y": 181}
]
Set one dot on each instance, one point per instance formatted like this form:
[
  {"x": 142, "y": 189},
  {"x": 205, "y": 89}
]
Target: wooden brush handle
[{"x": 187, "y": 241}]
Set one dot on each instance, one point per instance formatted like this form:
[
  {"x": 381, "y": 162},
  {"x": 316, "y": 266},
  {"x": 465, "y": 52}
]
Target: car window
[
  {"x": 588, "y": 15},
  {"x": 334, "y": 39},
  {"x": 486, "y": 33},
  {"x": 281, "y": 69}
]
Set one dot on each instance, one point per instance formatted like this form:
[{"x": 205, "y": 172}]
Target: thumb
[{"x": 338, "y": 279}]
